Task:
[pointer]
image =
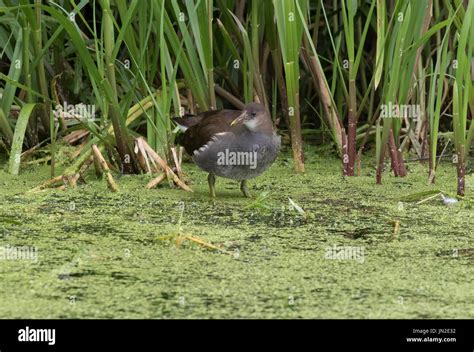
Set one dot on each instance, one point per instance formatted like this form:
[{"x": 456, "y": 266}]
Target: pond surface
[{"x": 102, "y": 255}]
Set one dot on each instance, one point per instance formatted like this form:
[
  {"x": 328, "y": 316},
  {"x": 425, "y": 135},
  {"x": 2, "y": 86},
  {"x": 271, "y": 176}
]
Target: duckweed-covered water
[{"x": 99, "y": 254}]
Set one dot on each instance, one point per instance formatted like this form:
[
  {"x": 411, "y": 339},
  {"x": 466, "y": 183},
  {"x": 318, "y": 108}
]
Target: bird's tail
[{"x": 186, "y": 121}]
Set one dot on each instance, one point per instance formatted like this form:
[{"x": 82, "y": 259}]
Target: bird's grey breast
[{"x": 239, "y": 157}]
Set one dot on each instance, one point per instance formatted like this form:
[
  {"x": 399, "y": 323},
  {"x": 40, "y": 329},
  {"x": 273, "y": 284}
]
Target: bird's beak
[{"x": 238, "y": 119}]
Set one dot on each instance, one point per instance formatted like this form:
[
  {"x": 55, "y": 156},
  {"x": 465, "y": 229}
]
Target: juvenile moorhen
[{"x": 234, "y": 144}]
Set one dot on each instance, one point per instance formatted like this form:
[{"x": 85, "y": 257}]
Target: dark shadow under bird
[{"x": 234, "y": 144}]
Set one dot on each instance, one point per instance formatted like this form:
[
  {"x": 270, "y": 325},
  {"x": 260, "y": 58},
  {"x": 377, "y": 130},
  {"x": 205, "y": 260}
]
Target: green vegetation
[
  {"x": 100, "y": 253},
  {"x": 341, "y": 72},
  {"x": 362, "y": 93}
]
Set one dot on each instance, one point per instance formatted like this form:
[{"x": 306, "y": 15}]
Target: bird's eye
[{"x": 253, "y": 114}]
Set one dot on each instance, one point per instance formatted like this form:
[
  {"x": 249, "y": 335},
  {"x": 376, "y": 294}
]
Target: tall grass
[
  {"x": 290, "y": 32},
  {"x": 462, "y": 96}
]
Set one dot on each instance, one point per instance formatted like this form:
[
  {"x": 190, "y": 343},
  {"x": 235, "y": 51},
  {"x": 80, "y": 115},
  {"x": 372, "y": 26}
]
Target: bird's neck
[{"x": 260, "y": 126}]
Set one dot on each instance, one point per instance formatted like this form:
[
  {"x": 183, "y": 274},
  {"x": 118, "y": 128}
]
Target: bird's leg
[
  {"x": 211, "y": 179},
  {"x": 244, "y": 189}
]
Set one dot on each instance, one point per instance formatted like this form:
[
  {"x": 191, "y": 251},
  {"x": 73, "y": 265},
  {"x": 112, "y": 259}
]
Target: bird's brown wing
[
  {"x": 189, "y": 120},
  {"x": 211, "y": 123}
]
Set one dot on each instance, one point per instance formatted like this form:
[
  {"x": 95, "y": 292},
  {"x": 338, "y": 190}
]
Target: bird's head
[{"x": 254, "y": 116}]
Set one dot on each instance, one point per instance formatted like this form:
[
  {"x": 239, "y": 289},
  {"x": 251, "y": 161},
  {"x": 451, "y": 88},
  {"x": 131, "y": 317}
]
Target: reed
[
  {"x": 322, "y": 68},
  {"x": 290, "y": 31},
  {"x": 462, "y": 96}
]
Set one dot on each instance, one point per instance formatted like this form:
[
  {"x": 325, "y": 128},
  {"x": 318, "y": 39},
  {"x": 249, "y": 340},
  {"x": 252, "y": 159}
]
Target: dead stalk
[{"x": 105, "y": 168}]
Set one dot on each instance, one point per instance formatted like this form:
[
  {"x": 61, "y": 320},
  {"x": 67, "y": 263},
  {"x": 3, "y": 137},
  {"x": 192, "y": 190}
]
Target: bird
[{"x": 233, "y": 144}]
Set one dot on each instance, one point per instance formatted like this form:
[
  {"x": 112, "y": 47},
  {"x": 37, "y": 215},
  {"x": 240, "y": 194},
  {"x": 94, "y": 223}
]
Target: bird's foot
[
  {"x": 244, "y": 189},
  {"x": 211, "y": 180}
]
